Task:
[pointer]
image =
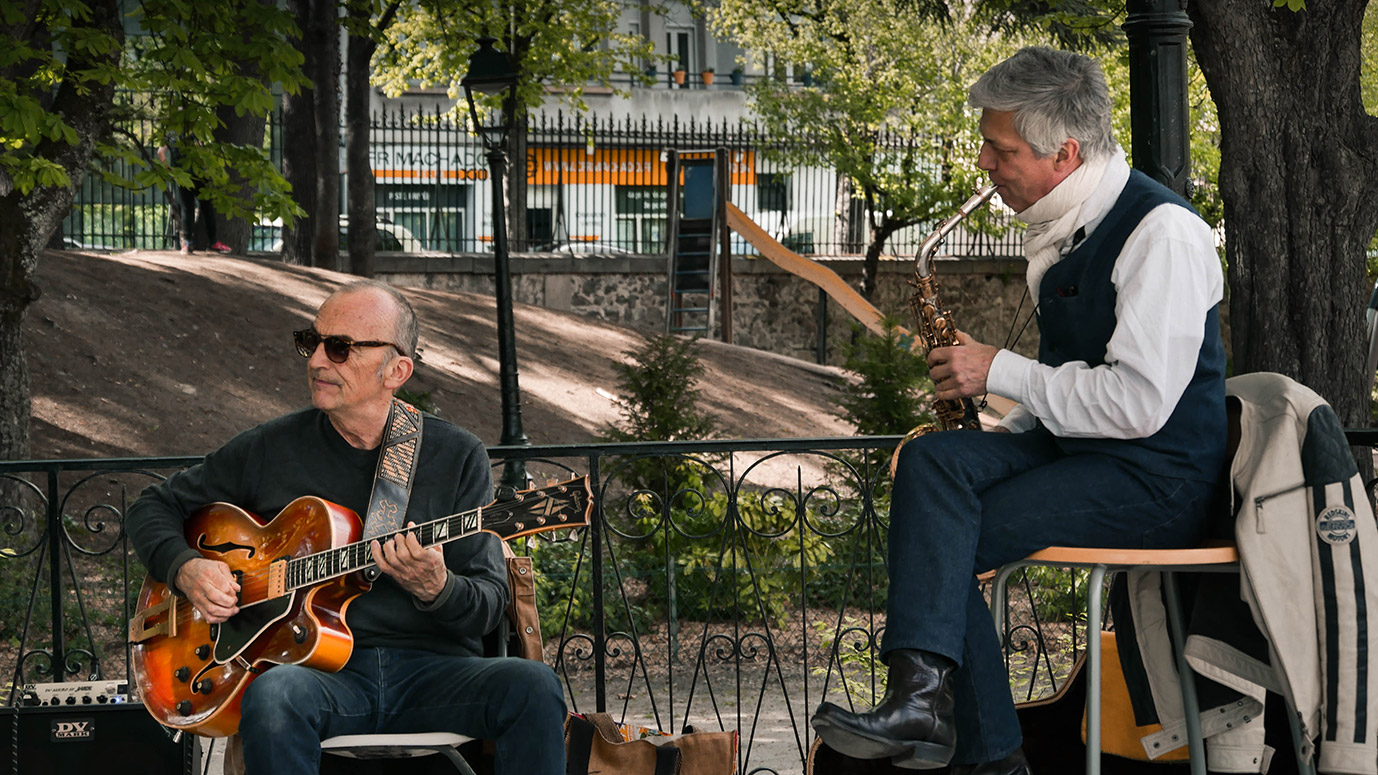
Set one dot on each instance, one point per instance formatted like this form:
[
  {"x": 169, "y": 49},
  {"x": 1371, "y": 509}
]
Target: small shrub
[
  {"x": 891, "y": 396},
  {"x": 661, "y": 403}
]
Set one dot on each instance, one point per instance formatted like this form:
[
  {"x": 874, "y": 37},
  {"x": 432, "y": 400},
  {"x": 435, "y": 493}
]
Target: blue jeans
[
  {"x": 517, "y": 703},
  {"x": 965, "y": 503}
]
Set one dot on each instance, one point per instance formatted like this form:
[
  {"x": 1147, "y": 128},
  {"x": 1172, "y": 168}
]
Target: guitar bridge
[{"x": 139, "y": 628}]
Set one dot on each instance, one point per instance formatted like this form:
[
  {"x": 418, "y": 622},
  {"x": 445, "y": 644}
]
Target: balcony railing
[{"x": 725, "y": 584}]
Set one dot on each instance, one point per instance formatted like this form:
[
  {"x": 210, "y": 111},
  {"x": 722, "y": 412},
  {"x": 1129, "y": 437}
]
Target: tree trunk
[
  {"x": 849, "y": 219},
  {"x": 247, "y": 130},
  {"x": 1299, "y": 182},
  {"x": 363, "y": 236},
  {"x": 243, "y": 129},
  {"x": 518, "y": 233},
  {"x": 299, "y": 150},
  {"x": 30, "y": 219},
  {"x": 325, "y": 65},
  {"x": 870, "y": 266}
]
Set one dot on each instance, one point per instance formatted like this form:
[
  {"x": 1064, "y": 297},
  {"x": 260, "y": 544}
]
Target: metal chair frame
[{"x": 1221, "y": 558}]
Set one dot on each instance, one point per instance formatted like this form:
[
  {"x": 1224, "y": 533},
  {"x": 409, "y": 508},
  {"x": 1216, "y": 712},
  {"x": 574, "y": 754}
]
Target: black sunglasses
[{"x": 336, "y": 347}]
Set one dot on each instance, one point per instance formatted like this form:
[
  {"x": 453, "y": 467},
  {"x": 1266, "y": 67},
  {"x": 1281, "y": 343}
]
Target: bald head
[{"x": 405, "y": 334}]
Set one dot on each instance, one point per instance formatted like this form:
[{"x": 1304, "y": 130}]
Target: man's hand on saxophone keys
[{"x": 960, "y": 371}]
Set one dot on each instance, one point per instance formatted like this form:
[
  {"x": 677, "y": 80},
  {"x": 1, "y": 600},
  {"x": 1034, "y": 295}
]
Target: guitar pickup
[
  {"x": 277, "y": 578},
  {"x": 141, "y": 630}
]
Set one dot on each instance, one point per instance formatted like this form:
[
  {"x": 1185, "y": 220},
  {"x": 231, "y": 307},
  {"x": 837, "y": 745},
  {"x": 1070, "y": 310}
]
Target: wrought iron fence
[
  {"x": 594, "y": 186},
  {"x": 729, "y": 584}
]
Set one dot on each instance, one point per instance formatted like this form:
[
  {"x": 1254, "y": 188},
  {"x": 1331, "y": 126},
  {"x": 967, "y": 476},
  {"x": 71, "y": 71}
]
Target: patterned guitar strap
[{"x": 387, "y": 506}]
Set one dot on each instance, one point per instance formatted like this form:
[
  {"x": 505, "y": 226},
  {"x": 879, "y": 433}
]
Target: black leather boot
[
  {"x": 1014, "y": 764},
  {"x": 912, "y": 724}
]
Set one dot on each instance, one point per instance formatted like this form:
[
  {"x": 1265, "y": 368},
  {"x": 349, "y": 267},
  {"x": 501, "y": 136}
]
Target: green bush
[
  {"x": 659, "y": 399},
  {"x": 891, "y": 395},
  {"x": 1057, "y": 592}
]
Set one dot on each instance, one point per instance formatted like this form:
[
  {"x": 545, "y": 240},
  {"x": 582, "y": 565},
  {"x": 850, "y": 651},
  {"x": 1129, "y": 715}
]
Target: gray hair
[
  {"x": 405, "y": 331},
  {"x": 1054, "y": 95}
]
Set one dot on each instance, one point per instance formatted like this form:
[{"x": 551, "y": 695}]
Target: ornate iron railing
[{"x": 725, "y": 584}]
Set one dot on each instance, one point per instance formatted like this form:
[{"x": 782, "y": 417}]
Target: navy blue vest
[{"x": 1076, "y": 317}]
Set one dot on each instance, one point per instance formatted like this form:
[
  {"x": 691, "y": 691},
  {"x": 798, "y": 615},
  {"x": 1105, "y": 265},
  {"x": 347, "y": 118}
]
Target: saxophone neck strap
[{"x": 387, "y": 506}]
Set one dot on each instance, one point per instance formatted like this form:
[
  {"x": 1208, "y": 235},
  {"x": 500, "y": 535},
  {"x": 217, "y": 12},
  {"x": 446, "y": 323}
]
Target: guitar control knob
[
  {"x": 203, "y": 651},
  {"x": 298, "y": 633},
  {"x": 184, "y": 707},
  {"x": 181, "y": 674},
  {"x": 204, "y": 686}
]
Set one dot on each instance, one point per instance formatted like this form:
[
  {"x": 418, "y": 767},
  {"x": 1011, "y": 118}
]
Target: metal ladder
[{"x": 693, "y": 253}]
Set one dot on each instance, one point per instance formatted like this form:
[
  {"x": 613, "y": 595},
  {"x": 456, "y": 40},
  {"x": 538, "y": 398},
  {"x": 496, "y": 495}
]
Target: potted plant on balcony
[
  {"x": 707, "y": 76},
  {"x": 737, "y": 76},
  {"x": 679, "y": 74}
]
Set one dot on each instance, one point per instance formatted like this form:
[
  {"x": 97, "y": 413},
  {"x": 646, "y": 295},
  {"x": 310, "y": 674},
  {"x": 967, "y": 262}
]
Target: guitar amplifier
[
  {"x": 75, "y": 693},
  {"x": 45, "y": 740}
]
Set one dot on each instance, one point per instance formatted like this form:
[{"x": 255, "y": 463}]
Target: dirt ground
[{"x": 149, "y": 353}]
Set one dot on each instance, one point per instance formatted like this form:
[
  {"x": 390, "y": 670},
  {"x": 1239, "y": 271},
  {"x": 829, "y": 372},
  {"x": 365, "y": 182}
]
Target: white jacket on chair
[{"x": 1303, "y": 518}]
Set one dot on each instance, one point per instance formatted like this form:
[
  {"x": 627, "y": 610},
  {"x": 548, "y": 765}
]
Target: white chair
[{"x": 400, "y": 747}]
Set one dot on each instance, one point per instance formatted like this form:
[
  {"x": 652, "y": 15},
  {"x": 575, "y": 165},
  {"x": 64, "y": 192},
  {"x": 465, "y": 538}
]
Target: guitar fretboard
[{"x": 314, "y": 568}]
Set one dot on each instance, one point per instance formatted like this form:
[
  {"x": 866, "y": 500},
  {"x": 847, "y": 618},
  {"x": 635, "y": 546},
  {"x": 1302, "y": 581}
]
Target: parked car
[
  {"x": 583, "y": 247},
  {"x": 392, "y": 237}
]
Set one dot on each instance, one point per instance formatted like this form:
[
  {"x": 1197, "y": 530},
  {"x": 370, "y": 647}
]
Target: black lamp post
[{"x": 490, "y": 72}]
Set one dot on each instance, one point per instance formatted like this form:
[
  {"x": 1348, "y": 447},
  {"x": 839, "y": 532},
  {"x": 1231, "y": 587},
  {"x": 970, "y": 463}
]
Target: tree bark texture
[
  {"x": 311, "y": 139},
  {"x": 363, "y": 236},
  {"x": 323, "y": 57},
  {"x": 1299, "y": 182},
  {"x": 246, "y": 129},
  {"x": 299, "y": 151},
  {"x": 518, "y": 166},
  {"x": 30, "y": 219}
]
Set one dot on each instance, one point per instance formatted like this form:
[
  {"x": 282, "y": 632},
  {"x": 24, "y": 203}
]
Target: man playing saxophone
[{"x": 1118, "y": 440}]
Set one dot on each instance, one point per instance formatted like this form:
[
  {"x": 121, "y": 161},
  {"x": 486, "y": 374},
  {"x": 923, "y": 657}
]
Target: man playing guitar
[{"x": 417, "y": 663}]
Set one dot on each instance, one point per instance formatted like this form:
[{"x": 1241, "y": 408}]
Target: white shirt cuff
[{"x": 1009, "y": 376}]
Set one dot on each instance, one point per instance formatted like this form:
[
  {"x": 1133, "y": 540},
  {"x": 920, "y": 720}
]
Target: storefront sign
[
  {"x": 618, "y": 166},
  {"x": 398, "y": 161}
]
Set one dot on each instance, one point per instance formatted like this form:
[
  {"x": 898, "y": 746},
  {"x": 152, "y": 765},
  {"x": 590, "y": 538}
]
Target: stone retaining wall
[{"x": 772, "y": 309}]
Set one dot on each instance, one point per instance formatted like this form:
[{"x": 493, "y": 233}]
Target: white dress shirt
[{"x": 1167, "y": 278}]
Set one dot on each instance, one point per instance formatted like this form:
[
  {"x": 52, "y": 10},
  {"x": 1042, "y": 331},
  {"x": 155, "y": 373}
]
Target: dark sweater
[{"x": 263, "y": 469}]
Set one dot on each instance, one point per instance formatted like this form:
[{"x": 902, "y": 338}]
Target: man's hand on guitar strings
[
  {"x": 211, "y": 588},
  {"x": 418, "y": 570}
]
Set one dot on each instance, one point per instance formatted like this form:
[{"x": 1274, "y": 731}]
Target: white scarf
[{"x": 1080, "y": 198}]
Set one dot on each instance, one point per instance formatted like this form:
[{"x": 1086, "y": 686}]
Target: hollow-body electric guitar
[{"x": 297, "y": 574}]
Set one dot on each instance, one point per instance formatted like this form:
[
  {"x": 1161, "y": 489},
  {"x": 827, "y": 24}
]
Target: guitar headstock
[{"x": 560, "y": 505}]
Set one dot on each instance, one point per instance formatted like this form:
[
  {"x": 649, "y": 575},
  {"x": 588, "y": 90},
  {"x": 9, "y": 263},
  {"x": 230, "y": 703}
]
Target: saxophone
[{"x": 934, "y": 327}]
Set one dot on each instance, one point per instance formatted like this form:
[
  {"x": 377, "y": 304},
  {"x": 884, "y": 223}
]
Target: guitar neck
[
  {"x": 559, "y": 505},
  {"x": 312, "y": 569}
]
